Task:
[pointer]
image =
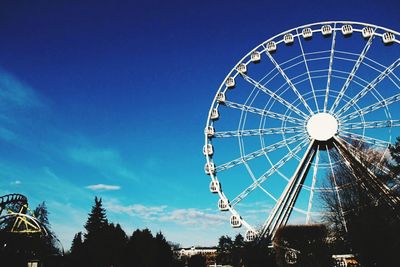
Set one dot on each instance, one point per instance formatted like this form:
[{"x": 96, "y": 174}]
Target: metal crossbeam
[
  {"x": 258, "y": 132},
  {"x": 370, "y": 124},
  {"x": 365, "y": 139},
  {"x": 260, "y": 152},
  {"x": 314, "y": 180},
  {"x": 263, "y": 112},
  {"x": 377, "y": 105}
]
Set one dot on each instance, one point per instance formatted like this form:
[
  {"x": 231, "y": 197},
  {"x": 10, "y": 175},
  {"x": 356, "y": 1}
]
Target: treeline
[{"x": 106, "y": 244}]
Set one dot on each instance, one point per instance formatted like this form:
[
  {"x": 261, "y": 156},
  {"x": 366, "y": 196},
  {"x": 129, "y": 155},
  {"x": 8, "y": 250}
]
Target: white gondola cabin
[
  {"x": 221, "y": 97},
  {"x": 214, "y": 187},
  {"x": 271, "y": 47},
  {"x": 250, "y": 235},
  {"x": 288, "y": 39},
  {"x": 209, "y": 131},
  {"x": 230, "y": 82},
  {"x": 388, "y": 38},
  {"x": 223, "y": 205},
  {"x": 209, "y": 168},
  {"x": 208, "y": 150},
  {"x": 326, "y": 30},
  {"x": 214, "y": 114},
  {"x": 242, "y": 68},
  {"x": 347, "y": 30},
  {"x": 367, "y": 32},
  {"x": 307, "y": 33},
  {"x": 255, "y": 57},
  {"x": 236, "y": 222}
]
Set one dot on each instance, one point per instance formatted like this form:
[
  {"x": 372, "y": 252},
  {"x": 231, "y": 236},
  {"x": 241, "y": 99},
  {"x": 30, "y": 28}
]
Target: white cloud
[
  {"x": 103, "y": 187},
  {"x": 162, "y": 214},
  {"x": 16, "y": 182},
  {"x": 193, "y": 216}
]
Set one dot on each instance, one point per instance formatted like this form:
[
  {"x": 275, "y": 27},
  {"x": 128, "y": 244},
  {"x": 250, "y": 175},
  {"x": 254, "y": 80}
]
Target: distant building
[{"x": 189, "y": 252}]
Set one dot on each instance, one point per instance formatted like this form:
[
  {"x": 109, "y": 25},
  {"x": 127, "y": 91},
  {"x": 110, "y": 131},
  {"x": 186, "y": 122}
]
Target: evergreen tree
[
  {"x": 97, "y": 219},
  {"x": 77, "y": 243}
]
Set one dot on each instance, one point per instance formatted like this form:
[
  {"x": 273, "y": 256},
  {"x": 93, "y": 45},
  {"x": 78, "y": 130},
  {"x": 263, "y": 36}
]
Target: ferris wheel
[{"x": 290, "y": 110}]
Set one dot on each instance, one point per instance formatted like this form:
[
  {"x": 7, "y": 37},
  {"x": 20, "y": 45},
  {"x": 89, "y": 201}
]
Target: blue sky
[{"x": 110, "y": 98}]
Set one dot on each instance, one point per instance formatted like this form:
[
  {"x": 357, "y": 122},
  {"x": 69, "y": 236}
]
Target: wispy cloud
[
  {"x": 103, "y": 187},
  {"x": 106, "y": 160},
  {"x": 162, "y": 214},
  {"x": 14, "y": 92}
]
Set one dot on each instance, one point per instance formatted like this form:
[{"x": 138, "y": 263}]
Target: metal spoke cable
[
  {"x": 377, "y": 105},
  {"x": 289, "y": 82},
  {"x": 273, "y": 95},
  {"x": 328, "y": 83},
  {"x": 369, "y": 87},
  {"x": 307, "y": 70},
  {"x": 352, "y": 74},
  {"x": 268, "y": 173}
]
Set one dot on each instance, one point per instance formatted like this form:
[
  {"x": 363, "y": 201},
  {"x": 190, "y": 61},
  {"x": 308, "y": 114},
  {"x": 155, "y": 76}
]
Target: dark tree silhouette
[
  {"x": 362, "y": 222},
  {"x": 224, "y": 250},
  {"x": 197, "y": 261}
]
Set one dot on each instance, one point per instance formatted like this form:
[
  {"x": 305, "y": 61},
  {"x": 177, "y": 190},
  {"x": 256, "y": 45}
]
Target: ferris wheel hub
[{"x": 322, "y": 126}]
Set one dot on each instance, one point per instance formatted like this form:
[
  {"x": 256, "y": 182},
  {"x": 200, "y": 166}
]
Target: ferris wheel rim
[{"x": 235, "y": 73}]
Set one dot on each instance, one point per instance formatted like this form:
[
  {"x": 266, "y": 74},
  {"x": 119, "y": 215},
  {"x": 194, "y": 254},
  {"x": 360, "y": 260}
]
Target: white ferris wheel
[{"x": 287, "y": 108}]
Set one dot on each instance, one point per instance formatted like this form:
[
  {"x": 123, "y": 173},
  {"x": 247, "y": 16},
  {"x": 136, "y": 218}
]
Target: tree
[
  {"x": 197, "y": 261},
  {"x": 302, "y": 245},
  {"x": 97, "y": 219},
  {"x": 224, "y": 250},
  {"x": 364, "y": 220}
]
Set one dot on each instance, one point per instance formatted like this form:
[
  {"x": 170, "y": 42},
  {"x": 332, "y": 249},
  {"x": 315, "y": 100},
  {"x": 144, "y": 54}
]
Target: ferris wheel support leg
[
  {"x": 369, "y": 180},
  {"x": 283, "y": 208}
]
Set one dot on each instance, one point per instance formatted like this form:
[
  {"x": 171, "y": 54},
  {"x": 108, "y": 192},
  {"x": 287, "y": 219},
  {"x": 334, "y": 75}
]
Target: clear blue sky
[{"x": 110, "y": 98}]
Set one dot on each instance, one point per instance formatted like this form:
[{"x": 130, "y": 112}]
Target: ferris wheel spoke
[
  {"x": 260, "y": 152},
  {"x": 314, "y": 180},
  {"x": 369, "y": 87},
  {"x": 371, "y": 124},
  {"x": 308, "y": 71},
  {"x": 377, "y": 105},
  {"x": 328, "y": 83},
  {"x": 289, "y": 82},
  {"x": 365, "y": 139},
  {"x": 273, "y": 95},
  {"x": 336, "y": 188},
  {"x": 259, "y": 132},
  {"x": 268, "y": 173},
  {"x": 263, "y": 112},
  {"x": 352, "y": 74}
]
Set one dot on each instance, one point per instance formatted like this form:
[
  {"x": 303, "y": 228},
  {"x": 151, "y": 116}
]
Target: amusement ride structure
[
  {"x": 16, "y": 217},
  {"x": 290, "y": 110}
]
